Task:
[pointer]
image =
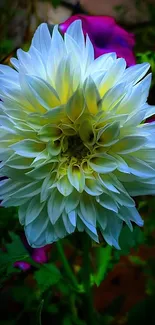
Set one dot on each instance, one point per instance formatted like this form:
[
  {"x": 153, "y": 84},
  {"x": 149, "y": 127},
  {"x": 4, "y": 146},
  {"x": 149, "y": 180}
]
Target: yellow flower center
[{"x": 76, "y": 148}]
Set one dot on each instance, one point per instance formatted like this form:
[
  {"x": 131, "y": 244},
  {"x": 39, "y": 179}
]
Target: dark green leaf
[
  {"x": 56, "y": 3},
  {"x": 15, "y": 251},
  {"x": 130, "y": 239},
  {"x": 103, "y": 255},
  {"x": 47, "y": 276},
  {"x": 143, "y": 313},
  {"x": 16, "y": 247},
  {"x": 67, "y": 321},
  {"x": 39, "y": 311}
]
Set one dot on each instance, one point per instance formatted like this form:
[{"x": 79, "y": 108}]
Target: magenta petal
[
  {"x": 39, "y": 255},
  {"x": 22, "y": 265},
  {"x": 126, "y": 54},
  {"x": 90, "y": 24},
  {"x": 106, "y": 36},
  {"x": 151, "y": 119}
]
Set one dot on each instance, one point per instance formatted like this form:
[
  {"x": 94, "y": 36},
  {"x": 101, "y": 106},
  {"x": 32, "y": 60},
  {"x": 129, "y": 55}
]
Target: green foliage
[
  {"x": 6, "y": 46},
  {"x": 121, "y": 11},
  {"x": 72, "y": 320},
  {"x": 103, "y": 256},
  {"x": 149, "y": 57},
  {"x": 16, "y": 249},
  {"x": 13, "y": 251},
  {"x": 130, "y": 239},
  {"x": 143, "y": 313},
  {"x": 56, "y": 3},
  {"x": 40, "y": 311},
  {"x": 47, "y": 276},
  {"x": 67, "y": 321},
  {"x": 8, "y": 222},
  {"x": 23, "y": 294}
]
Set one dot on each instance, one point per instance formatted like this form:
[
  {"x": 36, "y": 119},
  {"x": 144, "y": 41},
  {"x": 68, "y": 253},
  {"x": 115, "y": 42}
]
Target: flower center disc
[{"x": 76, "y": 147}]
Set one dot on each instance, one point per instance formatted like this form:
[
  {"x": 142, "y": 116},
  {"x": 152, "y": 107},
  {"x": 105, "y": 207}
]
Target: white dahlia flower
[{"x": 72, "y": 139}]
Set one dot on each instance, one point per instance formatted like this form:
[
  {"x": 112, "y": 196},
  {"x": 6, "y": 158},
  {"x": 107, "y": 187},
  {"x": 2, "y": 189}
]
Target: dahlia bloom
[
  {"x": 73, "y": 143},
  {"x": 106, "y": 36}
]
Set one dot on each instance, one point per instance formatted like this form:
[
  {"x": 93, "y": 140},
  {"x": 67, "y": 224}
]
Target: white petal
[
  {"x": 55, "y": 206},
  {"x": 76, "y": 32},
  {"x": 25, "y": 61},
  {"x": 15, "y": 63},
  {"x": 136, "y": 96},
  {"x": 107, "y": 202},
  {"x": 72, "y": 217},
  {"x": 68, "y": 225},
  {"x": 129, "y": 144},
  {"x": 28, "y": 190},
  {"x": 112, "y": 231},
  {"x": 37, "y": 228},
  {"x": 89, "y": 51},
  {"x": 28, "y": 148},
  {"x": 43, "y": 92},
  {"x": 56, "y": 52},
  {"x": 139, "y": 167},
  {"x": 42, "y": 40},
  {"x": 29, "y": 95},
  {"x": 103, "y": 62},
  {"x": 76, "y": 177},
  {"x": 72, "y": 47},
  {"x": 112, "y": 76},
  {"x": 64, "y": 186},
  {"x": 9, "y": 72},
  {"x": 60, "y": 229},
  {"x": 37, "y": 63},
  {"x": 93, "y": 187},
  {"x": 77, "y": 100},
  {"x": 87, "y": 209},
  {"x": 72, "y": 201},
  {"x": 91, "y": 95},
  {"x": 113, "y": 97},
  {"x": 102, "y": 164},
  {"x": 108, "y": 183},
  {"x": 149, "y": 110},
  {"x": 135, "y": 73},
  {"x": 33, "y": 210},
  {"x": 63, "y": 79}
]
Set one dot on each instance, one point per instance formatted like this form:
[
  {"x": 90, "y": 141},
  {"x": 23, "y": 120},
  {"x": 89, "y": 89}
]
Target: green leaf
[
  {"x": 143, "y": 312},
  {"x": 52, "y": 308},
  {"x": 47, "y": 276},
  {"x": 129, "y": 239},
  {"x": 8, "y": 221},
  {"x": 39, "y": 311},
  {"x": 23, "y": 294},
  {"x": 16, "y": 247},
  {"x": 103, "y": 259},
  {"x": 67, "y": 321},
  {"x": 15, "y": 251},
  {"x": 56, "y": 3},
  {"x": 77, "y": 321},
  {"x": 137, "y": 260}
]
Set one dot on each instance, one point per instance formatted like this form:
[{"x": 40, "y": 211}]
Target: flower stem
[
  {"x": 86, "y": 279},
  {"x": 66, "y": 265}
]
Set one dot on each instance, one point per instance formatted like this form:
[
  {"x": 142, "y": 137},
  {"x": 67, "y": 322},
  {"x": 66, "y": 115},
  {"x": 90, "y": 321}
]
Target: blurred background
[
  {"x": 126, "y": 295},
  {"x": 19, "y": 18}
]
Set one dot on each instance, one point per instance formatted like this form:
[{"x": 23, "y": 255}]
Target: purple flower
[
  {"x": 106, "y": 36},
  {"x": 24, "y": 266},
  {"x": 39, "y": 255}
]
